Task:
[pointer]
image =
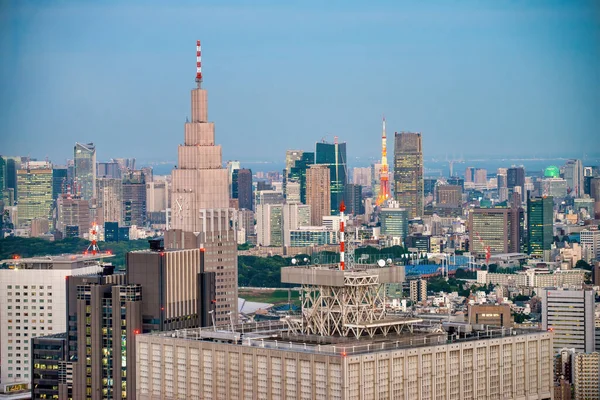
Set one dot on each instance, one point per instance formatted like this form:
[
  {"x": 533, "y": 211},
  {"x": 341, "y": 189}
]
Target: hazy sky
[{"x": 476, "y": 78}]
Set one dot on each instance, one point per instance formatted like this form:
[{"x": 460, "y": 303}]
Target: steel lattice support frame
[{"x": 327, "y": 310}]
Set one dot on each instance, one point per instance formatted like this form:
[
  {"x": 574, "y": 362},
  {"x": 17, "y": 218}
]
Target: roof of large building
[{"x": 275, "y": 335}]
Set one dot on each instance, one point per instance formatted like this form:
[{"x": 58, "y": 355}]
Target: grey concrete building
[{"x": 569, "y": 314}]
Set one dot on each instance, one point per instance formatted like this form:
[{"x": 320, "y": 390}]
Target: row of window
[
  {"x": 31, "y": 294},
  {"x": 27, "y": 314},
  {"x": 28, "y": 287},
  {"x": 33, "y": 321},
  {"x": 9, "y": 300},
  {"x": 27, "y": 307}
]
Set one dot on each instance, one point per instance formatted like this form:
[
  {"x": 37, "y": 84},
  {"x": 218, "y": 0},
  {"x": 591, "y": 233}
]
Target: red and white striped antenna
[
  {"x": 93, "y": 247},
  {"x": 342, "y": 239},
  {"x": 198, "y": 63}
]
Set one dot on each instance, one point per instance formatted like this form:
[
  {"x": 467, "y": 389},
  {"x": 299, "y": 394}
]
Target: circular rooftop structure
[{"x": 552, "y": 172}]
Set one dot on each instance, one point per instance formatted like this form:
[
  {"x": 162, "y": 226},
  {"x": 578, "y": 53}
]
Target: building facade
[
  {"x": 408, "y": 172},
  {"x": 34, "y": 192},
  {"x": 318, "y": 195},
  {"x": 241, "y": 188},
  {"x": 33, "y": 303},
  {"x": 569, "y": 314},
  {"x": 333, "y": 155},
  {"x": 509, "y": 367},
  {"x": 84, "y": 156},
  {"x": 540, "y": 211}
]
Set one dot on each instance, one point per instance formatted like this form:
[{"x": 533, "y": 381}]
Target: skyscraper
[
  {"x": 85, "y": 170},
  {"x": 408, "y": 172},
  {"x": 353, "y": 199},
  {"x": 318, "y": 195},
  {"x": 201, "y": 217},
  {"x": 134, "y": 198},
  {"x": 515, "y": 180},
  {"x": 291, "y": 156},
  {"x": 570, "y": 315},
  {"x": 241, "y": 188},
  {"x": 573, "y": 173},
  {"x": 539, "y": 224},
  {"x": 109, "y": 193},
  {"x": 333, "y": 155},
  {"x": 59, "y": 181},
  {"x": 35, "y": 191},
  {"x": 72, "y": 211},
  {"x": 499, "y": 229},
  {"x": 297, "y": 173}
]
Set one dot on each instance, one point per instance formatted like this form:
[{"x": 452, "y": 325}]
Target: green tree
[{"x": 583, "y": 264}]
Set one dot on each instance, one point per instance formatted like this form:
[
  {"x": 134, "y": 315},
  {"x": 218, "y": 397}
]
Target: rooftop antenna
[{"x": 198, "y": 64}]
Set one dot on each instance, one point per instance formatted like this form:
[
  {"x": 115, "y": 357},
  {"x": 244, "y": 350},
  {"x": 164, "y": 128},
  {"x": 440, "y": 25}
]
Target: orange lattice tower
[{"x": 384, "y": 179}]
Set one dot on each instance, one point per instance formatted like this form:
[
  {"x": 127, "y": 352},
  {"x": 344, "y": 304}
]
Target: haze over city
[{"x": 477, "y": 79}]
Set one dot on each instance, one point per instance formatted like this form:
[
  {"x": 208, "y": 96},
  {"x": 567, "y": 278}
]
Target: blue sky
[{"x": 477, "y": 78}]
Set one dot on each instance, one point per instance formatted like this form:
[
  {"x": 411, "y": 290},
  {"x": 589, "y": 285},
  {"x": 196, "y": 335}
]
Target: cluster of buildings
[
  {"x": 40, "y": 199},
  {"x": 168, "y": 326}
]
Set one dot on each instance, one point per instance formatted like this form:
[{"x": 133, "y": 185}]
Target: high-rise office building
[
  {"x": 362, "y": 176},
  {"x": 241, "y": 188},
  {"x": 333, "y": 155},
  {"x": 8, "y": 173},
  {"x": 408, "y": 172},
  {"x": 157, "y": 196},
  {"x": 353, "y": 199},
  {"x": 499, "y": 229},
  {"x": 590, "y": 242},
  {"x": 73, "y": 211},
  {"x": 34, "y": 191},
  {"x": 573, "y": 174},
  {"x": 448, "y": 195},
  {"x": 540, "y": 211},
  {"x": 59, "y": 181},
  {"x": 110, "y": 169},
  {"x": 33, "y": 303},
  {"x": 295, "y": 215},
  {"x": 109, "y": 193},
  {"x": 515, "y": 180},
  {"x": 104, "y": 315},
  {"x": 85, "y": 170},
  {"x": 134, "y": 198},
  {"x": 318, "y": 195},
  {"x": 569, "y": 314},
  {"x": 297, "y": 173},
  {"x": 501, "y": 181},
  {"x": 269, "y": 224},
  {"x": 291, "y": 157},
  {"x": 394, "y": 220},
  {"x": 201, "y": 217}
]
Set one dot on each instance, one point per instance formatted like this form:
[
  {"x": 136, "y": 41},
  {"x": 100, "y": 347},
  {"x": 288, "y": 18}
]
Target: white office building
[
  {"x": 569, "y": 314},
  {"x": 33, "y": 303}
]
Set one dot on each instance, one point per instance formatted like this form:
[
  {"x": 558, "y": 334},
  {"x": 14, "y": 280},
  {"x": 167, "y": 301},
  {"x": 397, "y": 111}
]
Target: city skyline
[{"x": 524, "y": 66}]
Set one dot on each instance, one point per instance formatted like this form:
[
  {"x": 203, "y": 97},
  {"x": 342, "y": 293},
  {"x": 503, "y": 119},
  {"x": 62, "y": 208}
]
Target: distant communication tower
[
  {"x": 198, "y": 64},
  {"x": 384, "y": 185},
  {"x": 93, "y": 247}
]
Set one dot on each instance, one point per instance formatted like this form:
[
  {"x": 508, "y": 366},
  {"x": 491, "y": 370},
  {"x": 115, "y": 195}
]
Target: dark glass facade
[
  {"x": 334, "y": 156},
  {"x": 241, "y": 188},
  {"x": 539, "y": 224},
  {"x": 297, "y": 173}
]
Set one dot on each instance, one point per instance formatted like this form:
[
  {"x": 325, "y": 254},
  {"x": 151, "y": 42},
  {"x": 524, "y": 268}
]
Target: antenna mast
[{"x": 198, "y": 64}]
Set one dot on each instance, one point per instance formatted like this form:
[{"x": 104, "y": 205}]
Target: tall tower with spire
[
  {"x": 384, "y": 180},
  {"x": 200, "y": 213}
]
